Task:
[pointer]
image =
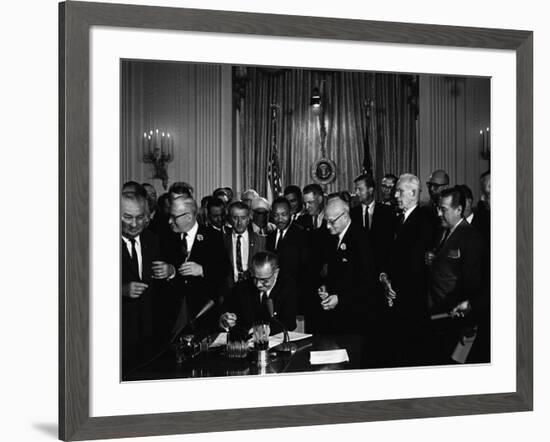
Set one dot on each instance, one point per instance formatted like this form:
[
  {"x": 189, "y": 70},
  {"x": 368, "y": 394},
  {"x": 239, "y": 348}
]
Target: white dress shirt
[
  {"x": 137, "y": 246},
  {"x": 244, "y": 252}
]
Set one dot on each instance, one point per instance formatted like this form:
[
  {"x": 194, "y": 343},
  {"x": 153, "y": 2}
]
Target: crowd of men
[{"x": 412, "y": 279}]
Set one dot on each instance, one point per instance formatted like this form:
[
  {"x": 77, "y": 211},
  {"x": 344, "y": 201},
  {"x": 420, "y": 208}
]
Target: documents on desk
[
  {"x": 293, "y": 336},
  {"x": 274, "y": 340},
  {"x": 328, "y": 357}
]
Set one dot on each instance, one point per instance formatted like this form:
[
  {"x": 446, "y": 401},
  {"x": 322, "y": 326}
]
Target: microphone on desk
[
  {"x": 286, "y": 346},
  {"x": 205, "y": 308}
]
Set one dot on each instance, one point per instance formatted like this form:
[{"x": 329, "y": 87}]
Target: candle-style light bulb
[
  {"x": 487, "y": 129},
  {"x": 151, "y": 133},
  {"x": 157, "y": 131},
  {"x": 144, "y": 134},
  {"x": 163, "y": 134},
  {"x": 168, "y": 134},
  {"x": 481, "y": 132}
]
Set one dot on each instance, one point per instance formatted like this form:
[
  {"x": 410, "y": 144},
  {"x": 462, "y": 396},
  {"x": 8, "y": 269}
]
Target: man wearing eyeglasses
[
  {"x": 387, "y": 190},
  {"x": 345, "y": 295},
  {"x": 247, "y": 303},
  {"x": 194, "y": 264}
]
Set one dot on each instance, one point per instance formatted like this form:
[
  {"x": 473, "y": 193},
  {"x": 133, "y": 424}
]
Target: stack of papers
[
  {"x": 328, "y": 357},
  {"x": 293, "y": 336}
]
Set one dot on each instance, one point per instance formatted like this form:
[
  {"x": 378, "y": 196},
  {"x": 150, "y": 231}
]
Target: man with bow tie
[
  {"x": 248, "y": 302},
  {"x": 139, "y": 248}
]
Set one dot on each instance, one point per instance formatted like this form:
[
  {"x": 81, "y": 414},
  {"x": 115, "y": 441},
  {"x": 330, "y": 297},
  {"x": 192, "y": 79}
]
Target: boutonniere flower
[
  {"x": 343, "y": 246},
  {"x": 200, "y": 237}
]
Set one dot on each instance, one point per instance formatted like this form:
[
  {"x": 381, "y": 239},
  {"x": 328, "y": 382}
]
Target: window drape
[{"x": 391, "y": 127}]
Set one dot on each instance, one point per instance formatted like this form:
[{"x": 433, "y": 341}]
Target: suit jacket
[
  {"x": 294, "y": 256},
  {"x": 292, "y": 250},
  {"x": 406, "y": 268},
  {"x": 137, "y": 315},
  {"x": 455, "y": 274},
  {"x": 381, "y": 231},
  {"x": 256, "y": 243},
  {"x": 349, "y": 274},
  {"x": 188, "y": 294},
  {"x": 244, "y": 301}
]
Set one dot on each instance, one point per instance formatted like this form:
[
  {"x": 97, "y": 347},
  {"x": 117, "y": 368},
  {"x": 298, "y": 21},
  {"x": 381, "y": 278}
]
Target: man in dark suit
[
  {"x": 455, "y": 273},
  {"x": 216, "y": 216},
  {"x": 294, "y": 196},
  {"x": 241, "y": 244},
  {"x": 139, "y": 248},
  {"x": 387, "y": 190},
  {"x": 405, "y": 279},
  {"x": 195, "y": 263},
  {"x": 377, "y": 219},
  {"x": 290, "y": 243},
  {"x": 247, "y": 303},
  {"x": 314, "y": 204},
  {"x": 346, "y": 298}
]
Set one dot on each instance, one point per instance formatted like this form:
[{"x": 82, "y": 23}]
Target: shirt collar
[
  {"x": 408, "y": 212},
  {"x": 127, "y": 240},
  {"x": 244, "y": 234},
  {"x": 343, "y": 233},
  {"x": 193, "y": 231}
]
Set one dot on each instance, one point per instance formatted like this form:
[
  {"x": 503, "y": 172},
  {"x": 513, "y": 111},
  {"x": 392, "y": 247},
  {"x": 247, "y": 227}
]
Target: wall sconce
[
  {"x": 485, "y": 144},
  {"x": 315, "y": 101},
  {"x": 158, "y": 150}
]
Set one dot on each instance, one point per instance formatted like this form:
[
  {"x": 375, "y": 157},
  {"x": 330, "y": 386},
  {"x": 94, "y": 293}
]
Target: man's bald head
[{"x": 437, "y": 182}]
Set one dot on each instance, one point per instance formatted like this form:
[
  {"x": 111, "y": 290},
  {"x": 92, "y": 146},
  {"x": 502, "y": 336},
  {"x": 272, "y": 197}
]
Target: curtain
[{"x": 391, "y": 126}]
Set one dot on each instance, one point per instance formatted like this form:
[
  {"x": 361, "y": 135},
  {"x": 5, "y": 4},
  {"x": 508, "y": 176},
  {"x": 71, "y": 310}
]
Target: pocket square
[{"x": 454, "y": 254}]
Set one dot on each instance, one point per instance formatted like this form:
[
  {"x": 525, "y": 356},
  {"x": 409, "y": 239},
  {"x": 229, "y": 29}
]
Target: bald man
[
  {"x": 139, "y": 249},
  {"x": 345, "y": 296}
]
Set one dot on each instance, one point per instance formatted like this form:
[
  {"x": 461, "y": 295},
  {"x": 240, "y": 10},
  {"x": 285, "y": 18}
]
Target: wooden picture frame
[{"x": 75, "y": 21}]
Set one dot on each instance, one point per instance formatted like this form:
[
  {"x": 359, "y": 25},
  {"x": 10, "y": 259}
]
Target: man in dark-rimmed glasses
[{"x": 248, "y": 302}]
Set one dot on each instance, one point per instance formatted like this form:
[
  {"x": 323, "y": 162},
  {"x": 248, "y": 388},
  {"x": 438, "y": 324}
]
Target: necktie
[
  {"x": 366, "y": 218},
  {"x": 445, "y": 236},
  {"x": 279, "y": 238},
  {"x": 134, "y": 258},
  {"x": 239, "y": 258},
  {"x": 314, "y": 221},
  {"x": 184, "y": 249}
]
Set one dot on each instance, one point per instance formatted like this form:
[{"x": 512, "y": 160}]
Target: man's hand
[
  {"x": 429, "y": 258},
  {"x": 330, "y": 302},
  {"x": 389, "y": 292},
  {"x": 162, "y": 270},
  {"x": 134, "y": 289},
  {"x": 228, "y": 320},
  {"x": 322, "y": 292},
  {"x": 461, "y": 309},
  {"x": 190, "y": 269}
]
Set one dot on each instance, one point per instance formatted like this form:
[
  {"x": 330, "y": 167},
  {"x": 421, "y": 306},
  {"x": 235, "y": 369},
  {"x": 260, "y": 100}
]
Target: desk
[{"x": 213, "y": 363}]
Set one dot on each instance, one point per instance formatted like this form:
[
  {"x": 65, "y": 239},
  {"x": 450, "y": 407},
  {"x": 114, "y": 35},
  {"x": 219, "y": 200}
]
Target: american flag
[{"x": 274, "y": 186}]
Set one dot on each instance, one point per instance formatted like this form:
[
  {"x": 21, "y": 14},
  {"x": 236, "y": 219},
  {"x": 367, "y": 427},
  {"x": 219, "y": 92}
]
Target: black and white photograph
[{"x": 282, "y": 220}]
